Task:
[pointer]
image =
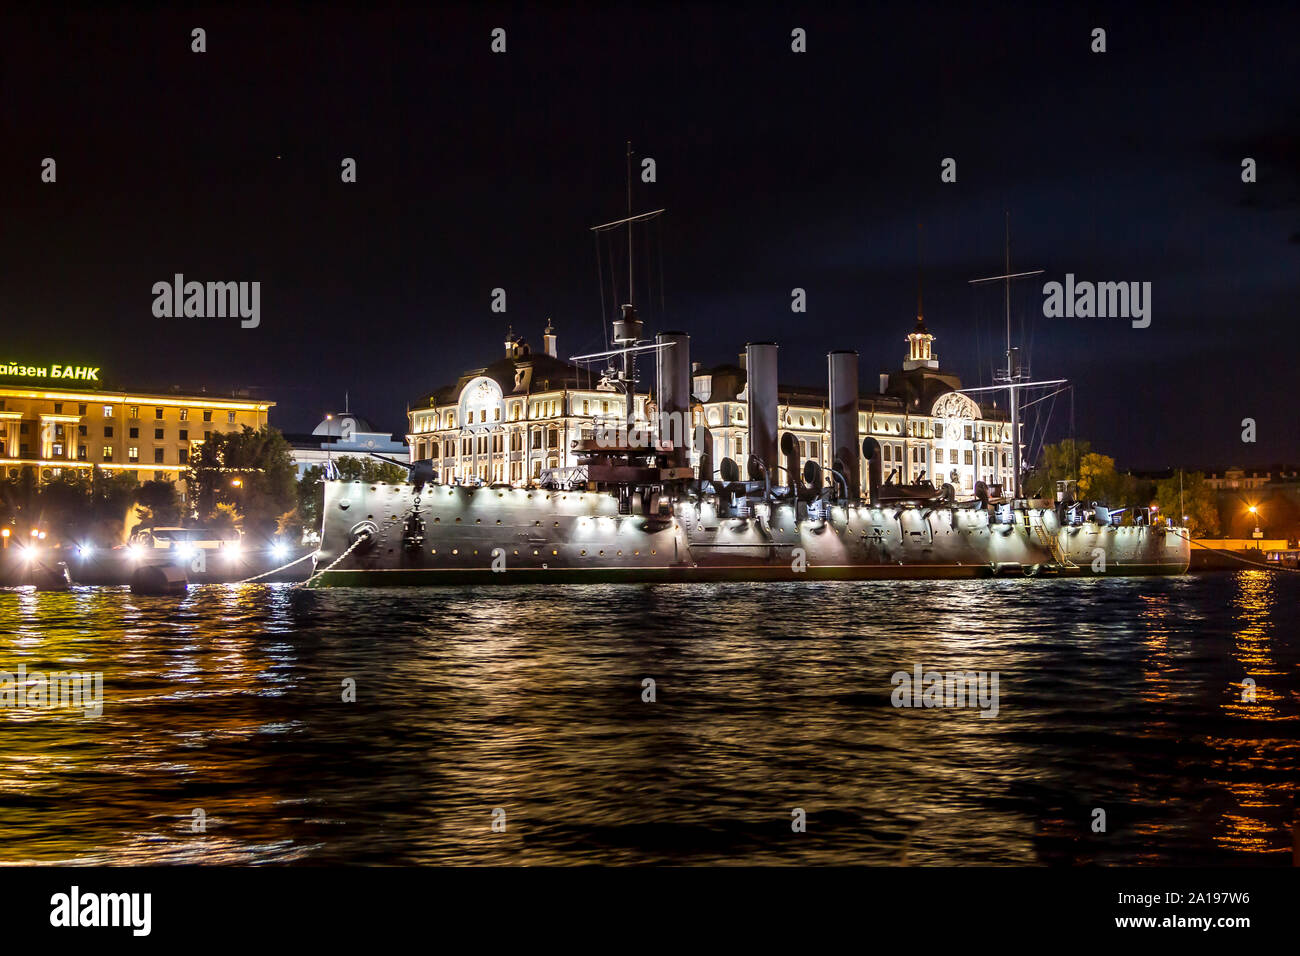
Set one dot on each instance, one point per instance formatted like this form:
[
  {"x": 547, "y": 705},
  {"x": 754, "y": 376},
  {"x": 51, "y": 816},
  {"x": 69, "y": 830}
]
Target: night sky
[{"x": 778, "y": 170}]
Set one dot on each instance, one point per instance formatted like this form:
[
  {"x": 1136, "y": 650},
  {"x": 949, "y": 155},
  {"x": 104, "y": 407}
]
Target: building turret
[{"x": 918, "y": 348}]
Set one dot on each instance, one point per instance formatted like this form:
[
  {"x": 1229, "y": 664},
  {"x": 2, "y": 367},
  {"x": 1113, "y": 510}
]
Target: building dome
[{"x": 339, "y": 426}]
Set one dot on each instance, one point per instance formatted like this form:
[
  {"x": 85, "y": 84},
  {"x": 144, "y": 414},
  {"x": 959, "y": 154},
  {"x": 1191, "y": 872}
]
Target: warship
[{"x": 650, "y": 502}]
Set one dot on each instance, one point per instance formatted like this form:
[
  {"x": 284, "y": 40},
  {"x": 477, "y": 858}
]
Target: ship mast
[
  {"x": 1014, "y": 376},
  {"x": 627, "y": 328}
]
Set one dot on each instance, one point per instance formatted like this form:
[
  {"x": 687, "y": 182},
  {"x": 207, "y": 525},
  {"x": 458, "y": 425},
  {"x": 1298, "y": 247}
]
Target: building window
[
  {"x": 952, "y": 456},
  {"x": 969, "y": 458},
  {"x": 183, "y": 456},
  {"x": 108, "y": 431},
  {"x": 58, "y": 408},
  {"x": 969, "y": 432},
  {"x": 108, "y": 453},
  {"x": 552, "y": 438},
  {"x": 158, "y": 456},
  {"x": 207, "y": 414},
  {"x": 157, "y": 413},
  {"x": 133, "y": 432},
  {"x": 133, "y": 454},
  {"x": 185, "y": 414},
  {"x": 158, "y": 434},
  {"x": 22, "y": 450},
  {"x": 81, "y": 408},
  {"x": 81, "y": 453},
  {"x": 230, "y": 418},
  {"x": 108, "y": 411},
  {"x": 185, "y": 434},
  {"x": 58, "y": 450},
  {"x": 81, "y": 430}
]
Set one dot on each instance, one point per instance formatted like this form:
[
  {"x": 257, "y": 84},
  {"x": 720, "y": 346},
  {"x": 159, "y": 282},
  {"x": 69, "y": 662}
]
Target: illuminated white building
[{"x": 515, "y": 419}]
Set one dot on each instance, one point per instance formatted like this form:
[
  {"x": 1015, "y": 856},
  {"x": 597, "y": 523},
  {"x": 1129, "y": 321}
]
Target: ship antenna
[
  {"x": 630, "y": 297},
  {"x": 919, "y": 310}
]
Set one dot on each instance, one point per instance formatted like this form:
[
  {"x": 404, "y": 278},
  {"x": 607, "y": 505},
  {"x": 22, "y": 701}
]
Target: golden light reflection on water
[
  {"x": 154, "y": 654},
  {"x": 768, "y": 697},
  {"x": 1258, "y": 823}
]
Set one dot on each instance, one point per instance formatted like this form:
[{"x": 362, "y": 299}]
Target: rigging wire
[{"x": 600, "y": 283}]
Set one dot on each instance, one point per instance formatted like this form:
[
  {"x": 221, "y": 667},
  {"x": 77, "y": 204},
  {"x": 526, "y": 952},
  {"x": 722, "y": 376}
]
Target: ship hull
[{"x": 520, "y": 536}]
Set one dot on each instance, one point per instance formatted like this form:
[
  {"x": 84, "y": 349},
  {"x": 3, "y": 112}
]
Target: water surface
[{"x": 1123, "y": 695}]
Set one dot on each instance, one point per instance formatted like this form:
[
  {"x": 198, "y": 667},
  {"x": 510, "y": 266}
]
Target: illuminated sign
[{"x": 70, "y": 373}]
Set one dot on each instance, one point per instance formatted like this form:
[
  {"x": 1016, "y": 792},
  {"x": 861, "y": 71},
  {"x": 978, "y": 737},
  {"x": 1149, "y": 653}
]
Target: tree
[
  {"x": 251, "y": 470},
  {"x": 1100, "y": 482},
  {"x": 160, "y": 500},
  {"x": 1199, "y": 503},
  {"x": 311, "y": 491},
  {"x": 110, "y": 497},
  {"x": 1059, "y": 462}
]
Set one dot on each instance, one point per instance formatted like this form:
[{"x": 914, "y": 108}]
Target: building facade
[
  {"x": 340, "y": 435},
  {"x": 514, "y": 421},
  {"x": 152, "y": 434}
]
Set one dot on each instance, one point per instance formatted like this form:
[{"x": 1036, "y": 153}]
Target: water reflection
[{"x": 1125, "y": 694}]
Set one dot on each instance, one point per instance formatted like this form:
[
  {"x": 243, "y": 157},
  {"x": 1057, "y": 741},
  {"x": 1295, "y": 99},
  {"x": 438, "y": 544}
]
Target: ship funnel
[
  {"x": 760, "y": 369},
  {"x": 842, "y": 370},
  {"x": 673, "y": 381}
]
